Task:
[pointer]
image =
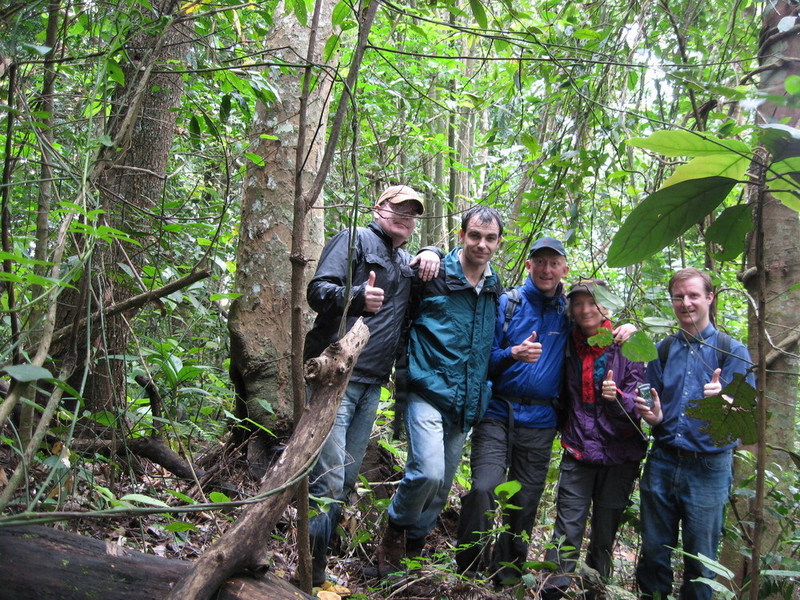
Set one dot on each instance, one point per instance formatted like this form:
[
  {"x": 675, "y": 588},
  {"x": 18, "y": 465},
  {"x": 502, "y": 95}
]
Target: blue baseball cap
[{"x": 548, "y": 242}]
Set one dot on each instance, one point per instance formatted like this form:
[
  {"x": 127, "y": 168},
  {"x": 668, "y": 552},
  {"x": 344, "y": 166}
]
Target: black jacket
[{"x": 325, "y": 295}]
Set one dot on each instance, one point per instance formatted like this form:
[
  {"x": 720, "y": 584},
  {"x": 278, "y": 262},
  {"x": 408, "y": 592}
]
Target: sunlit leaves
[
  {"x": 783, "y": 181},
  {"x": 639, "y": 348},
  {"x": 730, "y": 164},
  {"x": 665, "y": 215},
  {"x": 688, "y": 143}
]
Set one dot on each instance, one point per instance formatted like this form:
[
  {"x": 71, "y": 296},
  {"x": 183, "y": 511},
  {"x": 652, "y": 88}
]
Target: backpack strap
[
  {"x": 663, "y": 349},
  {"x": 724, "y": 342},
  {"x": 514, "y": 299}
]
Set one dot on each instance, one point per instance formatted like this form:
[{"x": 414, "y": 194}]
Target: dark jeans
[
  {"x": 581, "y": 486},
  {"x": 686, "y": 493},
  {"x": 529, "y": 459}
]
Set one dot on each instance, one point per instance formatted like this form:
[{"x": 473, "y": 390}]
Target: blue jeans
[
  {"x": 334, "y": 476},
  {"x": 434, "y": 449},
  {"x": 690, "y": 491}
]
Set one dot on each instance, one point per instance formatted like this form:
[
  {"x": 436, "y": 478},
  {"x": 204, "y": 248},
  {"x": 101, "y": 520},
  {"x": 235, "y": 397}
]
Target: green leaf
[
  {"x": 659, "y": 324},
  {"x": 340, "y": 12},
  {"x": 255, "y": 159},
  {"x": 782, "y": 141},
  {"x": 331, "y": 46},
  {"x": 479, "y": 13},
  {"x": 688, "y": 143},
  {"x": 142, "y": 499},
  {"x": 300, "y": 11},
  {"x": 178, "y": 526},
  {"x": 225, "y": 108},
  {"x": 115, "y": 73},
  {"x": 104, "y": 417},
  {"x": 729, "y": 165},
  {"x": 784, "y": 181},
  {"x": 730, "y": 231},
  {"x": 639, "y": 348},
  {"x": 792, "y": 85},
  {"x": 35, "y": 49},
  {"x": 218, "y": 497},
  {"x": 182, "y": 496},
  {"x": 27, "y": 373},
  {"x": 226, "y": 296},
  {"x": 194, "y": 126},
  {"x": 665, "y": 215},
  {"x": 507, "y": 489},
  {"x": 608, "y": 299},
  {"x": 603, "y": 338},
  {"x": 725, "y": 422}
]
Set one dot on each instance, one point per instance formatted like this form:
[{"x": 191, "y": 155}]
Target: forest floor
[{"x": 100, "y": 483}]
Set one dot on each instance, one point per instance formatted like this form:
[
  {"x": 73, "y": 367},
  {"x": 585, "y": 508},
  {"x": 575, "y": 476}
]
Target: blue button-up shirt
[{"x": 689, "y": 366}]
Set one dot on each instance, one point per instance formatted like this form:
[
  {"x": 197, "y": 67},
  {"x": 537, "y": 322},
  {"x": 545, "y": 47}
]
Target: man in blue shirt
[
  {"x": 514, "y": 441},
  {"x": 687, "y": 477}
]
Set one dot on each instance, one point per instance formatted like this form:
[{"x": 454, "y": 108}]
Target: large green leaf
[
  {"x": 782, "y": 141},
  {"x": 479, "y": 13},
  {"x": 727, "y": 422},
  {"x": 730, "y": 231},
  {"x": 663, "y": 216},
  {"x": 27, "y": 373},
  {"x": 729, "y": 164},
  {"x": 783, "y": 181},
  {"x": 639, "y": 348},
  {"x": 688, "y": 143}
]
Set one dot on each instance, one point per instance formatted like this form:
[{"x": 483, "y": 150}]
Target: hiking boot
[
  {"x": 392, "y": 549},
  {"x": 414, "y": 547}
]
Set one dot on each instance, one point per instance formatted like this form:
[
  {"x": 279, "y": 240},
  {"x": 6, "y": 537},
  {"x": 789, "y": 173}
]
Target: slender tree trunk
[
  {"x": 260, "y": 320},
  {"x": 773, "y": 271}
]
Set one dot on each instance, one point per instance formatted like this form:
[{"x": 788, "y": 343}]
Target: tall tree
[{"x": 260, "y": 319}]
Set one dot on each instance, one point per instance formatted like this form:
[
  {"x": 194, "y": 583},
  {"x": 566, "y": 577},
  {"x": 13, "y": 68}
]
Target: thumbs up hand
[
  {"x": 373, "y": 296},
  {"x": 609, "y": 389},
  {"x": 713, "y": 387},
  {"x": 528, "y": 351}
]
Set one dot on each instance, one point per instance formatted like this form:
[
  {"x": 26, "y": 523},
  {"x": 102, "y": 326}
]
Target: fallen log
[
  {"x": 240, "y": 547},
  {"x": 41, "y": 562}
]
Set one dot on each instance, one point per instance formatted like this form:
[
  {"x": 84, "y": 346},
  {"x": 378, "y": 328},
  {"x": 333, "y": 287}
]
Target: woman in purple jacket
[{"x": 603, "y": 442}]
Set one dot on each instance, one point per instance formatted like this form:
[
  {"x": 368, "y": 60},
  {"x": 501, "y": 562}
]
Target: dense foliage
[{"x": 578, "y": 120}]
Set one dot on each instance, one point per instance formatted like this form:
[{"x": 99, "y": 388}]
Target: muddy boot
[{"x": 391, "y": 550}]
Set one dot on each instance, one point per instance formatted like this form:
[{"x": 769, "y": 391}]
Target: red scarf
[{"x": 588, "y": 355}]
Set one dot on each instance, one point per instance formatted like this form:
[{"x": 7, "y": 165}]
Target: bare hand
[
  {"x": 373, "y": 296},
  {"x": 623, "y": 332},
  {"x": 528, "y": 351},
  {"x": 713, "y": 387},
  {"x": 653, "y": 416},
  {"x": 428, "y": 262},
  {"x": 609, "y": 386}
]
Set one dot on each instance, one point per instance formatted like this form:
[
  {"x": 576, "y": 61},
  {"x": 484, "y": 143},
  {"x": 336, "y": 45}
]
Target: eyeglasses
[{"x": 401, "y": 214}]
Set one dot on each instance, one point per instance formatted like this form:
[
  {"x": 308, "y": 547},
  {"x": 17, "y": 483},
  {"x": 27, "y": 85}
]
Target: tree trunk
[
  {"x": 773, "y": 269},
  {"x": 240, "y": 547},
  {"x": 130, "y": 176},
  {"x": 40, "y": 562},
  {"x": 260, "y": 319}
]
